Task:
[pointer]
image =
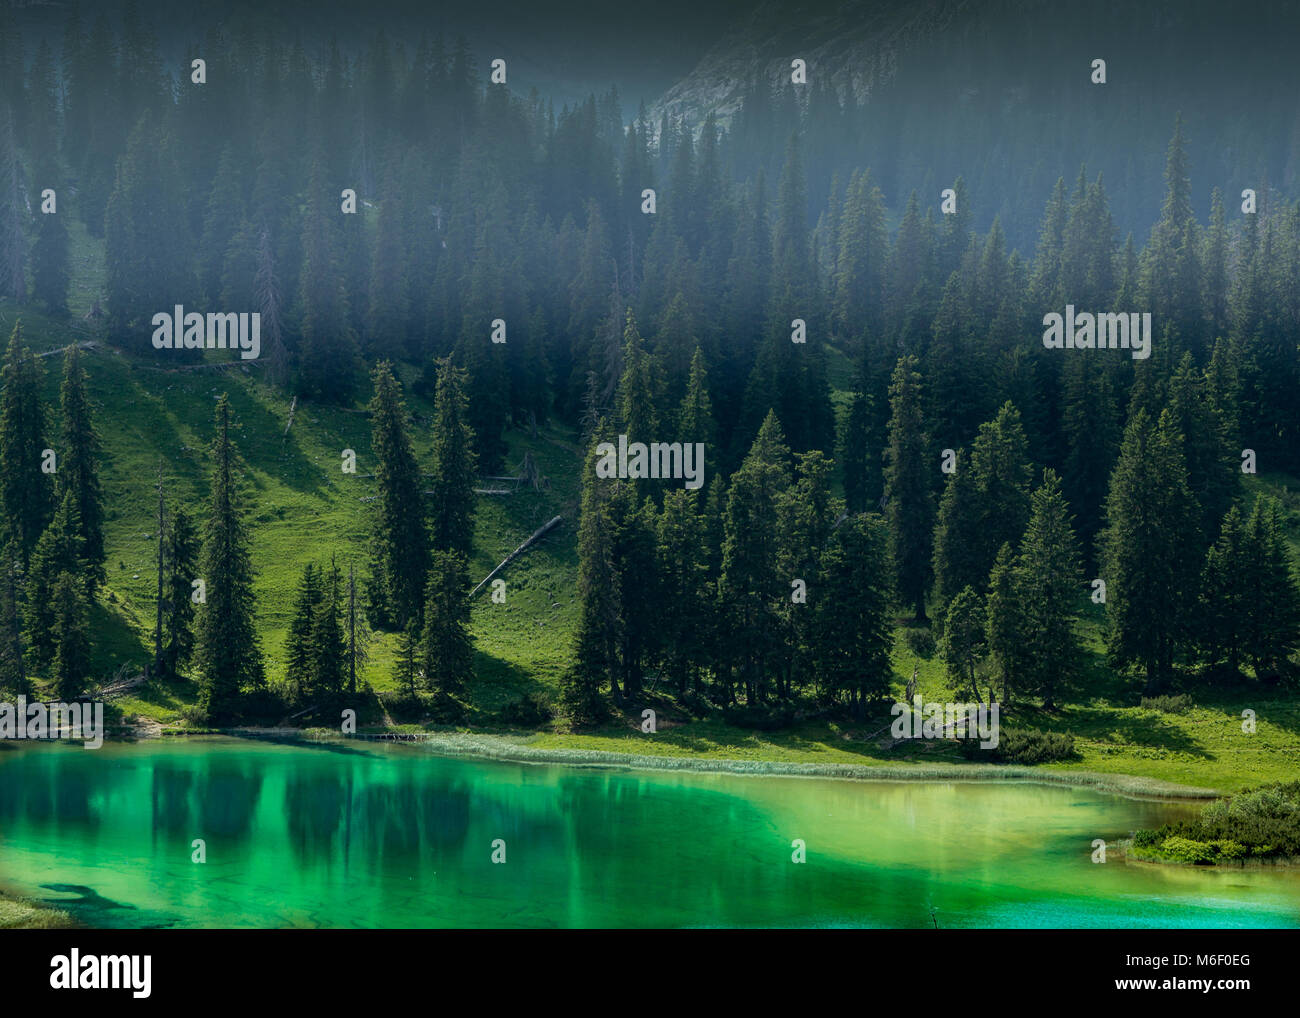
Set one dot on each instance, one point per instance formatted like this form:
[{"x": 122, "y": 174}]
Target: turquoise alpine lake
[{"x": 366, "y": 835}]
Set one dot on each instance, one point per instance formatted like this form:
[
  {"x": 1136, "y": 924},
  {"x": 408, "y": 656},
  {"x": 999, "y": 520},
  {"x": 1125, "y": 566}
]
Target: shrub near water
[
  {"x": 1262, "y": 823},
  {"x": 1025, "y": 746}
]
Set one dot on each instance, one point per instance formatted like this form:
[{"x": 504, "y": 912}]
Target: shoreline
[
  {"x": 504, "y": 749},
  {"x": 510, "y": 749},
  {"x": 18, "y": 912}
]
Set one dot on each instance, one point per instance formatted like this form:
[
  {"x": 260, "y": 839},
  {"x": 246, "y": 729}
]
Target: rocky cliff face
[{"x": 854, "y": 45}]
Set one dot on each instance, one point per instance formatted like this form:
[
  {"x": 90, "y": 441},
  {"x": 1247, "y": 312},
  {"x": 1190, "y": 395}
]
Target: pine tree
[
  {"x": 852, "y": 633},
  {"x": 636, "y": 402},
  {"x": 227, "y": 654},
  {"x": 963, "y": 638},
  {"x": 408, "y": 655},
  {"x": 358, "y": 637},
  {"x": 1147, "y": 562},
  {"x": 71, "y": 665},
  {"x": 446, "y": 646},
  {"x": 860, "y": 263},
  {"x": 909, "y": 508},
  {"x": 1092, "y": 430},
  {"x": 451, "y": 522},
  {"x": 1047, "y": 577},
  {"x": 298, "y": 647},
  {"x": 399, "y": 557},
  {"x": 58, "y": 551},
  {"x": 632, "y": 546},
  {"x": 26, "y": 494},
  {"x": 956, "y": 534},
  {"x": 599, "y": 620},
  {"x": 682, "y": 573},
  {"x": 327, "y": 650},
  {"x": 13, "y": 671},
  {"x": 751, "y": 583},
  {"x": 79, "y": 467},
  {"x": 1225, "y": 595},
  {"x": 181, "y": 550},
  {"x": 1004, "y": 629},
  {"x": 861, "y": 473},
  {"x": 695, "y": 422},
  {"x": 1272, "y": 623},
  {"x": 1210, "y": 462}
]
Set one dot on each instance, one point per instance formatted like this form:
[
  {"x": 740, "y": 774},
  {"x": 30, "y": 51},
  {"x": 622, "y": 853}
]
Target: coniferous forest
[
  {"x": 837, "y": 285},
  {"x": 448, "y": 452}
]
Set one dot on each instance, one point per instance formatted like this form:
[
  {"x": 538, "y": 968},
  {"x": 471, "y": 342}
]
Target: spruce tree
[
  {"x": 956, "y": 533},
  {"x": 13, "y": 671},
  {"x": 58, "y": 551},
  {"x": 181, "y": 550},
  {"x": 909, "y": 507},
  {"x": 1211, "y": 464},
  {"x": 1272, "y": 612},
  {"x": 1149, "y": 565},
  {"x": 861, "y": 473},
  {"x": 599, "y": 620},
  {"x": 1004, "y": 629},
  {"x": 1225, "y": 601},
  {"x": 78, "y": 473},
  {"x": 446, "y": 648},
  {"x": 851, "y": 631},
  {"x": 71, "y": 666},
  {"x": 695, "y": 422},
  {"x": 963, "y": 638},
  {"x": 632, "y": 545},
  {"x": 451, "y": 517},
  {"x": 681, "y": 569},
  {"x": 26, "y": 494},
  {"x": 298, "y": 647},
  {"x": 326, "y": 645},
  {"x": 358, "y": 635},
  {"x": 408, "y": 656},
  {"x": 1047, "y": 578},
  {"x": 227, "y": 654},
  {"x": 399, "y": 555},
  {"x": 752, "y": 585}
]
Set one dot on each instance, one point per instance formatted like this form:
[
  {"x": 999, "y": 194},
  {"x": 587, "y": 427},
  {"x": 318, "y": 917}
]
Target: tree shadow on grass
[
  {"x": 1146, "y": 729},
  {"x": 497, "y": 684},
  {"x": 114, "y": 642},
  {"x": 181, "y": 406}
]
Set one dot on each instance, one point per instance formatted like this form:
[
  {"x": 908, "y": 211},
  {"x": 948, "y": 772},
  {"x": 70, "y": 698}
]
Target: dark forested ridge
[{"x": 842, "y": 297}]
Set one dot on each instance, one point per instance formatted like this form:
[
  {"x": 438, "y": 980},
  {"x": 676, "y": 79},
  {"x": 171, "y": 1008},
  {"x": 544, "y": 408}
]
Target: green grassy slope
[{"x": 302, "y": 508}]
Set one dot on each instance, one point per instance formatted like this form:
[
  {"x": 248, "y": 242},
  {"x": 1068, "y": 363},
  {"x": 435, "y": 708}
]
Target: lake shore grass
[
  {"x": 18, "y": 913},
  {"x": 527, "y": 749}
]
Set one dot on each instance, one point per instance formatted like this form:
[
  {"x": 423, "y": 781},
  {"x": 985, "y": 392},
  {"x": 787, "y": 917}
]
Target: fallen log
[{"x": 538, "y": 534}]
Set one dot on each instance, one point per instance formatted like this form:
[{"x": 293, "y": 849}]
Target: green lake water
[{"x": 393, "y": 836}]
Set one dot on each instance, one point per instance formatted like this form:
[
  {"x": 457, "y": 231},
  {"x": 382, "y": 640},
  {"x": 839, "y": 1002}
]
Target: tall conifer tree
[{"x": 227, "y": 653}]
